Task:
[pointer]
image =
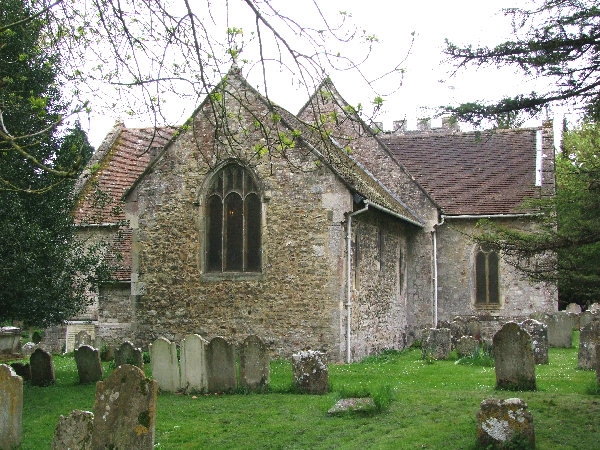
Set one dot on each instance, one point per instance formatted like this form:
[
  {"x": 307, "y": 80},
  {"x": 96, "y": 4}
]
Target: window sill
[
  {"x": 488, "y": 306},
  {"x": 233, "y": 276}
]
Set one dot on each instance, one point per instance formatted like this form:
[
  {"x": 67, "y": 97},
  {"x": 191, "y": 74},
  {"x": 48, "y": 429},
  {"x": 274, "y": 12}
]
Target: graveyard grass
[{"x": 433, "y": 405}]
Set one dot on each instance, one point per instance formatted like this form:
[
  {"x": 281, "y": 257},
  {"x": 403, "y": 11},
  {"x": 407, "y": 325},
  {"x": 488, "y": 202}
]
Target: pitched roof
[{"x": 489, "y": 172}]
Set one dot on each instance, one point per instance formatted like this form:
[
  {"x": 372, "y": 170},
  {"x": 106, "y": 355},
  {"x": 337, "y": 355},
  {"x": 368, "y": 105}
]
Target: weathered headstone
[
  {"x": 573, "y": 308},
  {"x": 438, "y": 344},
  {"x": 587, "y": 317},
  {"x": 128, "y": 354},
  {"x": 311, "y": 374},
  {"x": 467, "y": 346},
  {"x": 88, "y": 363},
  {"x": 125, "y": 410},
  {"x": 513, "y": 355},
  {"x": 42, "y": 368},
  {"x": 254, "y": 364},
  {"x": 499, "y": 421},
  {"x": 11, "y": 407},
  {"x": 165, "y": 366},
  {"x": 74, "y": 431},
  {"x": 588, "y": 341},
  {"x": 82, "y": 338},
  {"x": 22, "y": 369},
  {"x": 28, "y": 348},
  {"x": 560, "y": 330},
  {"x": 220, "y": 366},
  {"x": 539, "y": 339},
  {"x": 594, "y": 308},
  {"x": 194, "y": 376}
]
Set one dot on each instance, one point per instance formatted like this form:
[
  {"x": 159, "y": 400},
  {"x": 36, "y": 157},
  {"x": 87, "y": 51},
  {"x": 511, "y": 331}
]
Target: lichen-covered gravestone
[
  {"x": 254, "y": 364},
  {"x": 22, "y": 369},
  {"x": 88, "y": 363},
  {"x": 194, "y": 376},
  {"x": 437, "y": 344},
  {"x": 467, "y": 346},
  {"x": 573, "y": 308},
  {"x": 500, "y": 421},
  {"x": 42, "y": 368},
  {"x": 513, "y": 355},
  {"x": 220, "y": 366},
  {"x": 560, "y": 330},
  {"x": 11, "y": 407},
  {"x": 82, "y": 338},
  {"x": 311, "y": 374},
  {"x": 588, "y": 341},
  {"x": 587, "y": 317},
  {"x": 165, "y": 366},
  {"x": 539, "y": 339},
  {"x": 128, "y": 354},
  {"x": 125, "y": 410},
  {"x": 74, "y": 431}
]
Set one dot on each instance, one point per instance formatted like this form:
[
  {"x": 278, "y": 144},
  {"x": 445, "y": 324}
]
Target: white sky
[{"x": 427, "y": 82}]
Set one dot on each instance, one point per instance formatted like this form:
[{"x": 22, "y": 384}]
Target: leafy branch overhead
[{"x": 559, "y": 42}]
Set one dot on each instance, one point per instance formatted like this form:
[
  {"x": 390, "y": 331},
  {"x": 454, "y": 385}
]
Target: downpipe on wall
[
  {"x": 435, "y": 272},
  {"x": 348, "y": 275}
]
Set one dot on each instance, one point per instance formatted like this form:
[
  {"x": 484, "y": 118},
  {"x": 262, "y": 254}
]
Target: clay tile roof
[
  {"x": 490, "y": 172},
  {"x": 119, "y": 161}
]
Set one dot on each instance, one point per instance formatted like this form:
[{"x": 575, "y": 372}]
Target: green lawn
[{"x": 434, "y": 406}]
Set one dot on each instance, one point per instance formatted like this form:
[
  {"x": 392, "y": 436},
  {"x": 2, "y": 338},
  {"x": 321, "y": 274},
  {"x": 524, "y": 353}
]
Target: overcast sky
[{"x": 427, "y": 81}]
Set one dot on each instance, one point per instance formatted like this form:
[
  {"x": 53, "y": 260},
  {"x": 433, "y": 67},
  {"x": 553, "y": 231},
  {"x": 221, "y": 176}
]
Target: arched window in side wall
[
  {"x": 233, "y": 211},
  {"x": 487, "y": 277}
]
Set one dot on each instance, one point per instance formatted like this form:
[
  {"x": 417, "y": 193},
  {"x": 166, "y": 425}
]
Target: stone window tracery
[
  {"x": 487, "y": 278},
  {"x": 233, "y": 210}
]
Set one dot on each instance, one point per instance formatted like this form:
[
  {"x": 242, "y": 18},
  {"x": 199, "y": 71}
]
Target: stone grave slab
[
  {"x": 220, "y": 365},
  {"x": 588, "y": 341},
  {"x": 42, "y": 368},
  {"x": 11, "y": 410},
  {"x": 88, "y": 363},
  {"x": 513, "y": 354},
  {"x": 194, "y": 375},
  {"x": 498, "y": 421},
  {"x": 127, "y": 353},
  {"x": 165, "y": 365},
  {"x": 539, "y": 339},
  {"x": 437, "y": 344},
  {"x": 74, "y": 431},
  {"x": 255, "y": 362},
  {"x": 311, "y": 374}
]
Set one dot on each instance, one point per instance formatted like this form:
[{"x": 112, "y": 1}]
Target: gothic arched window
[
  {"x": 233, "y": 211},
  {"x": 487, "y": 277}
]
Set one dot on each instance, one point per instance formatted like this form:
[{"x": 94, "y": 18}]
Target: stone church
[{"x": 339, "y": 237}]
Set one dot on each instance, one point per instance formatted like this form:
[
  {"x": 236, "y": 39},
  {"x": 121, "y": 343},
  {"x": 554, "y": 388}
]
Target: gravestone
[
  {"x": 594, "y": 308},
  {"x": 125, "y": 410},
  {"x": 574, "y": 320},
  {"x": 128, "y": 354},
  {"x": 22, "y": 369},
  {"x": 82, "y": 338},
  {"x": 11, "y": 407},
  {"x": 28, "y": 348},
  {"x": 42, "y": 368},
  {"x": 588, "y": 341},
  {"x": 539, "y": 339},
  {"x": 74, "y": 431},
  {"x": 311, "y": 374},
  {"x": 514, "y": 363},
  {"x": 254, "y": 364},
  {"x": 165, "y": 366},
  {"x": 438, "y": 344},
  {"x": 499, "y": 421},
  {"x": 220, "y": 366},
  {"x": 560, "y": 330},
  {"x": 88, "y": 363},
  {"x": 587, "y": 317},
  {"x": 194, "y": 376},
  {"x": 467, "y": 346},
  {"x": 573, "y": 308}
]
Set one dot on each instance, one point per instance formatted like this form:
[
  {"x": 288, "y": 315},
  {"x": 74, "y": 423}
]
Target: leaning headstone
[
  {"x": 220, "y": 366},
  {"x": 165, "y": 366},
  {"x": 22, "y": 369},
  {"x": 499, "y": 421},
  {"x": 194, "y": 376},
  {"x": 438, "y": 344},
  {"x": 125, "y": 410},
  {"x": 254, "y": 364},
  {"x": 82, "y": 338},
  {"x": 74, "y": 431},
  {"x": 467, "y": 346},
  {"x": 560, "y": 330},
  {"x": 539, "y": 339},
  {"x": 128, "y": 354},
  {"x": 88, "y": 363},
  {"x": 588, "y": 341},
  {"x": 11, "y": 409},
  {"x": 573, "y": 308},
  {"x": 42, "y": 368},
  {"x": 513, "y": 356},
  {"x": 311, "y": 374}
]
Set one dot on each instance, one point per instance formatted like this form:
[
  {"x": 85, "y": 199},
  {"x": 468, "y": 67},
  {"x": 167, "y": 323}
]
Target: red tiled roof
[
  {"x": 489, "y": 172},
  {"x": 109, "y": 175}
]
